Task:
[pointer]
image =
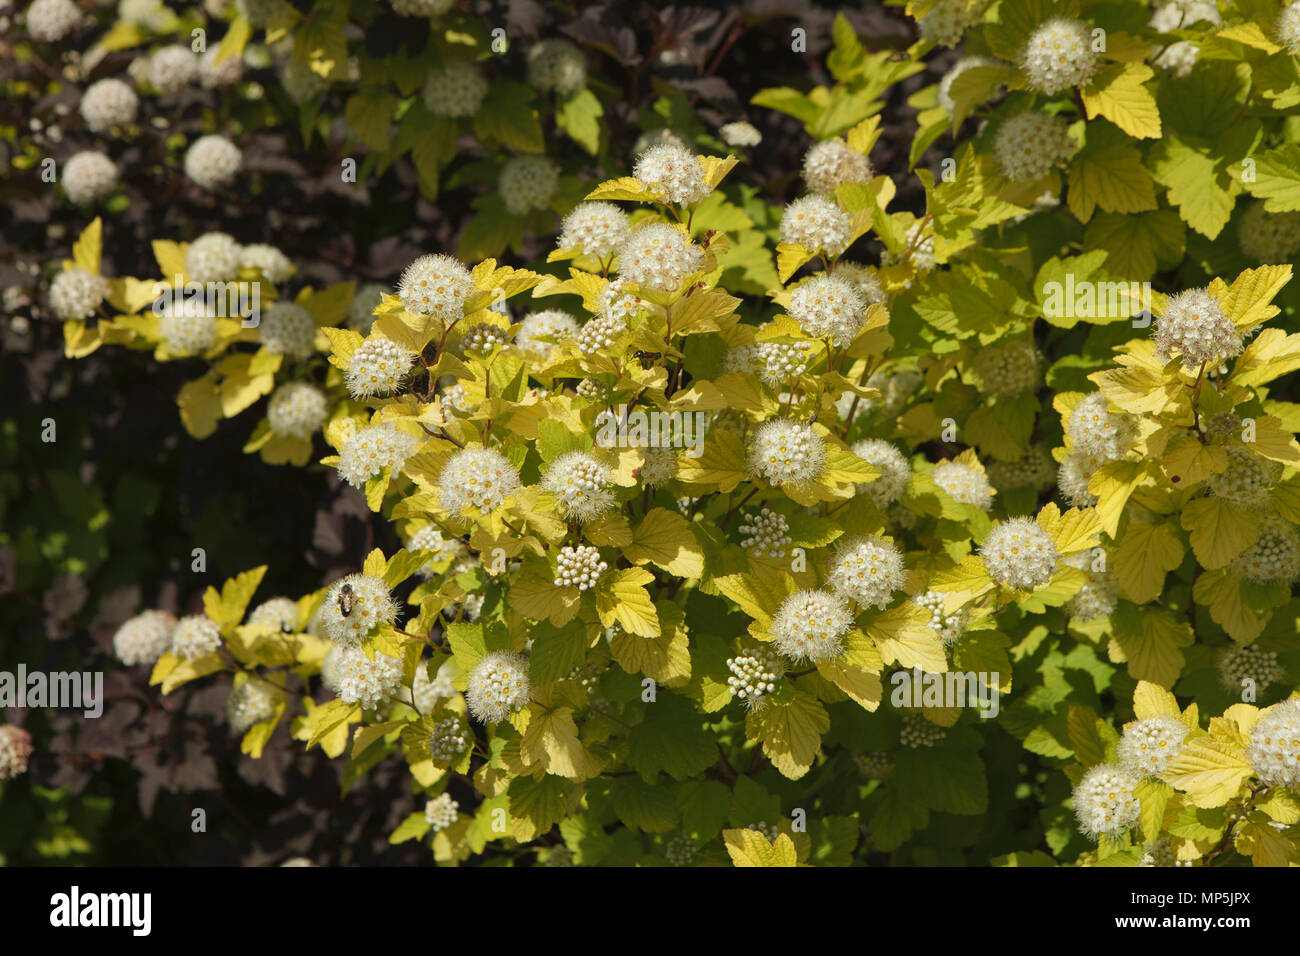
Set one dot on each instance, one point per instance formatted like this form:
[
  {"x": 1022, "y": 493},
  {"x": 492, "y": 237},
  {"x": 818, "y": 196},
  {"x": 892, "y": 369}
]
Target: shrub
[{"x": 703, "y": 487}]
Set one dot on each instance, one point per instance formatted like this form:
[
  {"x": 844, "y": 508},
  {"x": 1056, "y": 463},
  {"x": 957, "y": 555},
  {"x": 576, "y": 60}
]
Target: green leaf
[
  {"x": 704, "y": 806},
  {"x": 1117, "y": 93},
  {"x": 509, "y": 116},
  {"x": 672, "y": 739},
  {"x": 578, "y": 114},
  {"x": 644, "y": 806}
]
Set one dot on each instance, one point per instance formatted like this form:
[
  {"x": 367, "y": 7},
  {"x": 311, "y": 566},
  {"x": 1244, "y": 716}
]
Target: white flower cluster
[
  {"x": 426, "y": 692},
  {"x": 172, "y": 68},
  {"x": 918, "y": 248},
  {"x": 250, "y": 703},
  {"x": 863, "y": 279},
  {"x": 430, "y": 539},
  {"x": 1274, "y": 557},
  {"x": 828, "y": 307},
  {"x": 595, "y": 228},
  {"x": 273, "y": 264},
  {"x": 77, "y": 293},
  {"x": 1096, "y": 431},
  {"x": 779, "y": 362},
  {"x": 1099, "y": 594},
  {"x": 740, "y": 134},
  {"x": 441, "y": 812},
  {"x": 1195, "y": 327},
  {"x": 966, "y": 483},
  {"x": 49, "y": 21},
  {"x": 88, "y": 177},
  {"x": 949, "y": 627},
  {"x": 448, "y": 740},
  {"x": 527, "y": 183},
  {"x": 377, "y": 367},
  {"x": 280, "y": 613},
  {"x": 289, "y": 329},
  {"x": 1034, "y": 469},
  {"x": 600, "y": 332},
  {"x": 436, "y": 285},
  {"x": 455, "y": 401},
  {"x": 1075, "y": 473},
  {"x": 917, "y": 731},
  {"x": 770, "y": 833},
  {"x": 551, "y": 324},
  {"x": 581, "y": 484},
  {"x": 810, "y": 625},
  {"x": 1179, "y": 58},
  {"x": 1287, "y": 29},
  {"x": 1270, "y": 238},
  {"x": 354, "y": 606},
  {"x": 498, "y": 686},
  {"x": 108, "y": 103},
  {"x": 947, "y": 20},
  {"x": 833, "y": 163},
  {"x": 212, "y": 257},
  {"x": 454, "y": 89},
  {"x": 1030, "y": 144},
  {"x": 482, "y": 337},
  {"x": 150, "y": 14},
  {"x": 680, "y": 850},
  {"x": 1149, "y": 746},
  {"x": 1059, "y": 55},
  {"x": 817, "y": 224},
  {"x": 194, "y": 636},
  {"x": 371, "y": 449},
  {"x": 893, "y": 467},
  {"x": 672, "y": 172},
  {"x": 1019, "y": 554},
  {"x": 1240, "y": 664},
  {"x": 1104, "y": 803},
  {"x": 1161, "y": 853},
  {"x": 479, "y": 478},
  {"x": 1274, "y": 747},
  {"x": 766, "y": 534},
  {"x": 660, "y": 467},
  {"x": 616, "y": 302},
  {"x": 186, "y": 326},
  {"x": 557, "y": 64},
  {"x": 213, "y": 74},
  {"x": 784, "y": 451},
  {"x": 753, "y": 675},
  {"x": 144, "y": 638},
  {"x": 367, "y": 681},
  {"x": 874, "y": 765},
  {"x": 579, "y": 567},
  {"x": 296, "y": 410},
  {"x": 1008, "y": 369},
  {"x": 212, "y": 161},
  {"x": 658, "y": 256},
  {"x": 1247, "y": 478},
  {"x": 15, "y": 748},
  {"x": 869, "y": 570}
]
